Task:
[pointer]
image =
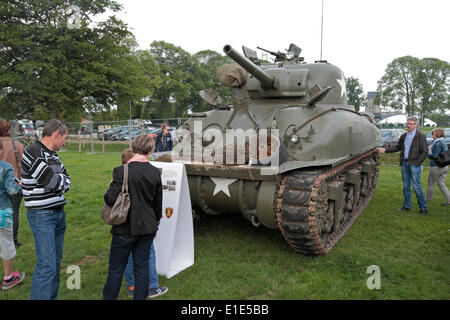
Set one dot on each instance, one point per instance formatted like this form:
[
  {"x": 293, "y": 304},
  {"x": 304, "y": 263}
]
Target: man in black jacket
[
  {"x": 164, "y": 139},
  {"x": 413, "y": 152}
]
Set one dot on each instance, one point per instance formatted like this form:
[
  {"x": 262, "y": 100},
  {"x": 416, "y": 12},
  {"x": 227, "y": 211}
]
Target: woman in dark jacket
[{"x": 136, "y": 234}]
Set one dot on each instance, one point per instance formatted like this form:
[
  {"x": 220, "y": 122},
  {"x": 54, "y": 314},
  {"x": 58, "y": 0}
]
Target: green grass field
[{"x": 234, "y": 260}]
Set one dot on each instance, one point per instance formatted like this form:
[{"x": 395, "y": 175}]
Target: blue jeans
[
  {"x": 121, "y": 246},
  {"x": 153, "y": 276},
  {"x": 48, "y": 227},
  {"x": 412, "y": 173}
]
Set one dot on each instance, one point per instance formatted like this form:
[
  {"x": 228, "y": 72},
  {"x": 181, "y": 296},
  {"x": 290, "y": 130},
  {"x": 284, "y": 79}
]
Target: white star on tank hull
[{"x": 222, "y": 185}]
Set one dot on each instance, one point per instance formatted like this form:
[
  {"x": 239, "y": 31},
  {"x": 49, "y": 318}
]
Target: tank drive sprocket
[{"x": 310, "y": 216}]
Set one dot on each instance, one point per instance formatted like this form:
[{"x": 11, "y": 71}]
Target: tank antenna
[{"x": 321, "y": 33}]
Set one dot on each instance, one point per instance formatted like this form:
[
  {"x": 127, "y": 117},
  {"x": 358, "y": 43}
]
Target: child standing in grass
[
  {"x": 154, "y": 288},
  {"x": 9, "y": 187}
]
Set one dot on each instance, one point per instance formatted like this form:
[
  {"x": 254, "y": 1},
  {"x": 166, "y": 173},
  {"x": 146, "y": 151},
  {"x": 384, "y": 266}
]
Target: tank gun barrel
[{"x": 267, "y": 82}]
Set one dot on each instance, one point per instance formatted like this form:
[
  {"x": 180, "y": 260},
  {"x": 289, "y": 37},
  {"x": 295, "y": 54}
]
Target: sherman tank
[{"x": 288, "y": 153}]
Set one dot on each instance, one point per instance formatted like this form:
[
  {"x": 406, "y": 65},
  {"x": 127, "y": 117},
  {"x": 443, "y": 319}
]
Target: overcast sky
[{"x": 359, "y": 36}]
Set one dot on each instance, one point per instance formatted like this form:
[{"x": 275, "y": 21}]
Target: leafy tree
[
  {"x": 49, "y": 68},
  {"x": 398, "y": 86},
  {"x": 182, "y": 77},
  {"x": 418, "y": 85},
  {"x": 137, "y": 80},
  {"x": 355, "y": 93},
  {"x": 434, "y": 85},
  {"x": 211, "y": 61}
]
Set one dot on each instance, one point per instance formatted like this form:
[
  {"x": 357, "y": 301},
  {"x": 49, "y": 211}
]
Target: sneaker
[
  {"x": 423, "y": 212},
  {"x": 154, "y": 292},
  {"x": 130, "y": 292},
  {"x": 403, "y": 209},
  {"x": 17, "y": 277}
]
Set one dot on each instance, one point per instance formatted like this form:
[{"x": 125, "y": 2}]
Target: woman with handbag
[
  {"x": 136, "y": 234},
  {"x": 437, "y": 174}
]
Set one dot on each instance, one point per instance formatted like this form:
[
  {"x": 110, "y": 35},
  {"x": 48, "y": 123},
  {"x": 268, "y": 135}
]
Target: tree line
[
  {"x": 56, "y": 61},
  {"x": 51, "y": 67},
  {"x": 418, "y": 86}
]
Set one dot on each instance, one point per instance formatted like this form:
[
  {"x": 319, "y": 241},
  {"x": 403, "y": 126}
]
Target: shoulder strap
[
  {"x": 16, "y": 153},
  {"x": 125, "y": 179}
]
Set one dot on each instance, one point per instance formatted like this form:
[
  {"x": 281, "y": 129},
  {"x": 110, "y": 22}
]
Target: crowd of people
[
  {"x": 38, "y": 174},
  {"x": 413, "y": 149}
]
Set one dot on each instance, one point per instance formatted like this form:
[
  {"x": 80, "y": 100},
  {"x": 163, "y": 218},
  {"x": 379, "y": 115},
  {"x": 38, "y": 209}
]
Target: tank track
[{"x": 307, "y": 217}]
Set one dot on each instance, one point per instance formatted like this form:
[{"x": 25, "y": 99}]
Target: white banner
[{"x": 174, "y": 242}]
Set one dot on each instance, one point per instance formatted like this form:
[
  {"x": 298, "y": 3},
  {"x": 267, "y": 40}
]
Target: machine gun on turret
[
  {"x": 279, "y": 56},
  {"x": 293, "y": 54}
]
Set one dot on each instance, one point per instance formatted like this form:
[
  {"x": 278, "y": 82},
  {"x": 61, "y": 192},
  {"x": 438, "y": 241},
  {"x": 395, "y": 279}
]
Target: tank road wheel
[
  {"x": 339, "y": 218},
  {"x": 349, "y": 198},
  {"x": 324, "y": 218},
  {"x": 310, "y": 218},
  {"x": 364, "y": 185}
]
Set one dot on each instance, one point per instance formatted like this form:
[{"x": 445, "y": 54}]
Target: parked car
[
  {"x": 119, "y": 131},
  {"x": 390, "y": 137},
  {"x": 123, "y": 132},
  {"x": 24, "y": 127},
  {"x": 126, "y": 137},
  {"x": 116, "y": 136},
  {"x": 447, "y": 137},
  {"x": 108, "y": 132},
  {"x": 135, "y": 133}
]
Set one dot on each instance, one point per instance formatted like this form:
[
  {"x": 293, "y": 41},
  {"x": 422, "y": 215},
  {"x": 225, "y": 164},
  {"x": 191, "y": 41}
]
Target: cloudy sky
[{"x": 359, "y": 36}]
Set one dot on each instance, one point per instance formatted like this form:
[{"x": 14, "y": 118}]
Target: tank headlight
[{"x": 294, "y": 138}]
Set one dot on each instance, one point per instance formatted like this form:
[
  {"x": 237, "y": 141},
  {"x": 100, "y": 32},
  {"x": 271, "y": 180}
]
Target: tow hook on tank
[
  {"x": 255, "y": 222},
  {"x": 251, "y": 215}
]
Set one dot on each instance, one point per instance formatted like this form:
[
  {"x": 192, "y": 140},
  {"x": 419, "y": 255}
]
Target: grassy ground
[{"x": 234, "y": 260}]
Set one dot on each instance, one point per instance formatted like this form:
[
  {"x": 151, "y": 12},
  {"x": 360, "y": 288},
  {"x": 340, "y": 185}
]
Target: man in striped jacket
[{"x": 44, "y": 182}]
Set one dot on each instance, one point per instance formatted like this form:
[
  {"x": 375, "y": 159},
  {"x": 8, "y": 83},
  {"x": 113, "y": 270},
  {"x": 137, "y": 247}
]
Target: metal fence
[{"x": 90, "y": 136}]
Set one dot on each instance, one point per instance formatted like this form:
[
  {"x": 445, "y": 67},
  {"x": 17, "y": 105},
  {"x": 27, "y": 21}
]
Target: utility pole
[{"x": 129, "y": 128}]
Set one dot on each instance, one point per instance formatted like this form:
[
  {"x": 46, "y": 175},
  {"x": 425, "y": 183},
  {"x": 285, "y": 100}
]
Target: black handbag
[{"x": 117, "y": 214}]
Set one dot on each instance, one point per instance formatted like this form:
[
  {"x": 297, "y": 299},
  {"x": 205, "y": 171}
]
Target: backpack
[{"x": 443, "y": 158}]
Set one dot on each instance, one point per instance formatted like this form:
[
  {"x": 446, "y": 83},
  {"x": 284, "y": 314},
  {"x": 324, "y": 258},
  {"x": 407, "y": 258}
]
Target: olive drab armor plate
[{"x": 288, "y": 153}]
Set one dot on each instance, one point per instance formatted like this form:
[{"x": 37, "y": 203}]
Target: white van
[{"x": 25, "y": 127}]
